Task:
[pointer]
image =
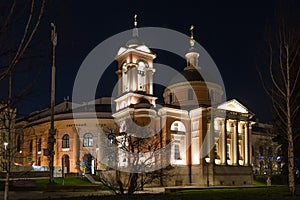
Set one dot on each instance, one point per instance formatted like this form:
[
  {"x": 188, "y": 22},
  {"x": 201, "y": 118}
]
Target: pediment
[{"x": 233, "y": 105}]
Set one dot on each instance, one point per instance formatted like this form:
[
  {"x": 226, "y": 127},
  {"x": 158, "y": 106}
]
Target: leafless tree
[
  {"x": 19, "y": 22},
  {"x": 284, "y": 72},
  {"x": 137, "y": 159}
]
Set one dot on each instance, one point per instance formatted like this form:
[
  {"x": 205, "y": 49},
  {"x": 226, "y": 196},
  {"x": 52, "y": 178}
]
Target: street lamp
[{"x": 5, "y": 145}]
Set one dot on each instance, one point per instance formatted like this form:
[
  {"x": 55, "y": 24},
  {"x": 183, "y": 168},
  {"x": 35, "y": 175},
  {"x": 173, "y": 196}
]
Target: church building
[
  {"x": 208, "y": 142},
  {"x": 204, "y": 140}
]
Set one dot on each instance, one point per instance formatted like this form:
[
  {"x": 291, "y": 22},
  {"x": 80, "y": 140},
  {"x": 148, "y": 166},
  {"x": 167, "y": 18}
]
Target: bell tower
[{"x": 135, "y": 72}]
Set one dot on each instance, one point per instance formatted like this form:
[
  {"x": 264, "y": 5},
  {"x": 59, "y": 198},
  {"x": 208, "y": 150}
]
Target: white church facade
[
  {"x": 206, "y": 145},
  {"x": 206, "y": 141}
]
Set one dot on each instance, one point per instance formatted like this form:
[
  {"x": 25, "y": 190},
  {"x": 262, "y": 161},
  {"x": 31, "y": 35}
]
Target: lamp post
[{"x": 52, "y": 130}]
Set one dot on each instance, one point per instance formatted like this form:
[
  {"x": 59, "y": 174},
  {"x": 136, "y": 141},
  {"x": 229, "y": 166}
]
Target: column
[
  {"x": 120, "y": 82},
  {"x": 246, "y": 144},
  {"x": 134, "y": 78},
  {"x": 210, "y": 174},
  {"x": 211, "y": 141},
  {"x": 235, "y": 144},
  {"x": 150, "y": 72},
  {"x": 223, "y": 140},
  {"x": 129, "y": 77},
  {"x": 250, "y": 142}
]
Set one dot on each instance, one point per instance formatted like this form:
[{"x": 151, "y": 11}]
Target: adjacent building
[{"x": 75, "y": 148}]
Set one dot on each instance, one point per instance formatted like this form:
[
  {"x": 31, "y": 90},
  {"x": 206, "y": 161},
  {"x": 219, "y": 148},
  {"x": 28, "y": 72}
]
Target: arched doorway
[
  {"x": 88, "y": 164},
  {"x": 66, "y": 163}
]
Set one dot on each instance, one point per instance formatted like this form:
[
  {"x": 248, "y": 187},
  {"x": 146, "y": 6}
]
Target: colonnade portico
[{"x": 231, "y": 137}]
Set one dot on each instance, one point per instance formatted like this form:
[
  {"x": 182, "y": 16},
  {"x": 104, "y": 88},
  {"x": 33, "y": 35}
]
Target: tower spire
[{"x": 192, "y": 55}]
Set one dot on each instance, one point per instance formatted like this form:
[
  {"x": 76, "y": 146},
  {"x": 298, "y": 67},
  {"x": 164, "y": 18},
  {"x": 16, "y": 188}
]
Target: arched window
[
  {"x": 18, "y": 143},
  {"x": 30, "y": 145},
  {"x": 178, "y": 131},
  {"x": 178, "y": 126},
  {"x": 142, "y": 76},
  {"x": 39, "y": 145},
  {"x": 66, "y": 141},
  {"x": 88, "y": 140}
]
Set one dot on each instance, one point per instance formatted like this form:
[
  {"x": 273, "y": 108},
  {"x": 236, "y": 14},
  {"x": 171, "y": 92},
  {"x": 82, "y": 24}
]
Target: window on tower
[
  {"x": 142, "y": 75},
  {"x": 124, "y": 78}
]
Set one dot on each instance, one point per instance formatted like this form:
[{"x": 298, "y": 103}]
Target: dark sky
[{"x": 232, "y": 32}]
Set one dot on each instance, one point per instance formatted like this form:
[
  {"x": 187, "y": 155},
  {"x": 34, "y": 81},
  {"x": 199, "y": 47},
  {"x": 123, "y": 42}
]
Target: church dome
[
  {"x": 187, "y": 76},
  {"x": 135, "y": 42},
  {"x": 189, "y": 88}
]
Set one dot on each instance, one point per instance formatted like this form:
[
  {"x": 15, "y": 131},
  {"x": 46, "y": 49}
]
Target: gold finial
[
  {"x": 192, "y": 41},
  {"x": 135, "y": 22},
  {"x": 192, "y": 31}
]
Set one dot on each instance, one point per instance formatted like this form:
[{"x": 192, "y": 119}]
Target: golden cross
[
  {"x": 192, "y": 31},
  {"x": 135, "y": 22}
]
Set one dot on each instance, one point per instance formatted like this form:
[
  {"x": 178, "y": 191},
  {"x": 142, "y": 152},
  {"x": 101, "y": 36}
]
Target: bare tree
[
  {"x": 19, "y": 22},
  {"x": 136, "y": 160},
  {"x": 284, "y": 72}
]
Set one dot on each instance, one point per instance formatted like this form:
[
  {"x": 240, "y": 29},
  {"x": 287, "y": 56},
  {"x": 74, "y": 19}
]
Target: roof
[
  {"x": 101, "y": 105},
  {"x": 234, "y": 105},
  {"x": 187, "y": 76}
]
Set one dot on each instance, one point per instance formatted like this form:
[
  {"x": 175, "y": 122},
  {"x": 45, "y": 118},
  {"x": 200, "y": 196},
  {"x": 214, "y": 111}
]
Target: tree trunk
[
  {"x": 119, "y": 182},
  {"x": 289, "y": 126},
  {"x": 291, "y": 161},
  {"x": 132, "y": 183}
]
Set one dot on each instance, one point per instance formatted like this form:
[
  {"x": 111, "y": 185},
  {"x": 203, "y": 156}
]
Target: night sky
[{"x": 232, "y": 32}]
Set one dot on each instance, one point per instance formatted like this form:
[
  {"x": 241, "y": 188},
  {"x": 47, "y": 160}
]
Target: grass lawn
[
  {"x": 262, "y": 193},
  {"x": 41, "y": 184},
  {"x": 68, "y": 181}
]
